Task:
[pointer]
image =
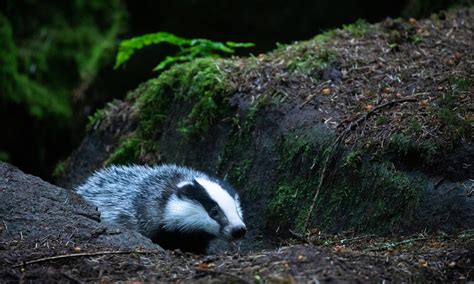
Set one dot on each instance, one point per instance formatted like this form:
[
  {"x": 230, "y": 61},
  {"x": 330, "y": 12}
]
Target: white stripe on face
[
  {"x": 229, "y": 205},
  {"x": 186, "y": 215}
]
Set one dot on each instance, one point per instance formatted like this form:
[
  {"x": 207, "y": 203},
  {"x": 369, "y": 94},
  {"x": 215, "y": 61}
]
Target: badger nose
[{"x": 238, "y": 232}]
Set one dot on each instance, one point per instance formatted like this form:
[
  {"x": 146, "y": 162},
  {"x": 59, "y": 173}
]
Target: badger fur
[{"x": 176, "y": 207}]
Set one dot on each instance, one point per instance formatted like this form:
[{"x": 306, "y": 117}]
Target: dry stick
[
  {"x": 81, "y": 255},
  {"x": 315, "y": 197},
  {"x": 336, "y": 144},
  {"x": 393, "y": 245},
  {"x": 223, "y": 273},
  {"x": 299, "y": 236}
]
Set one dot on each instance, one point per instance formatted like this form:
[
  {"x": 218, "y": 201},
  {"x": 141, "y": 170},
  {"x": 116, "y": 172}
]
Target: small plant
[
  {"x": 357, "y": 29},
  {"x": 189, "y": 48}
]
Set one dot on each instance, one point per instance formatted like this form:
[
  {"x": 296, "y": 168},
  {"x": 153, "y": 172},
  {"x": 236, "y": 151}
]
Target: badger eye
[{"x": 214, "y": 212}]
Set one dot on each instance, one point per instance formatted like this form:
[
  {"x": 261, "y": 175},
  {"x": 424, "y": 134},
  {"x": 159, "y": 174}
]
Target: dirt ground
[
  {"x": 421, "y": 259},
  {"x": 49, "y": 234}
]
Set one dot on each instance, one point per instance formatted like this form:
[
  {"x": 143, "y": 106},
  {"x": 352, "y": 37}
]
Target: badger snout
[{"x": 238, "y": 232}]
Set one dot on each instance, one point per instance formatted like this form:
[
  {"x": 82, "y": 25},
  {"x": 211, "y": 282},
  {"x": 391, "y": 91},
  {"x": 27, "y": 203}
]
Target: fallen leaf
[
  {"x": 338, "y": 248},
  {"x": 201, "y": 266},
  {"x": 326, "y": 91},
  {"x": 424, "y": 104},
  {"x": 369, "y": 107},
  {"x": 423, "y": 263},
  {"x": 301, "y": 258}
]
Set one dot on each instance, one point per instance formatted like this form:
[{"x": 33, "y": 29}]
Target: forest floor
[
  {"x": 50, "y": 234},
  {"x": 340, "y": 259}
]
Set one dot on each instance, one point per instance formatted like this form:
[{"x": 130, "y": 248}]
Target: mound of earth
[
  {"x": 49, "y": 234},
  {"x": 366, "y": 129}
]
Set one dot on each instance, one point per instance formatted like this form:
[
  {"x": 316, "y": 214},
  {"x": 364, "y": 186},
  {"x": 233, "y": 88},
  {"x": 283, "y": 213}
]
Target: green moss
[
  {"x": 127, "y": 152},
  {"x": 353, "y": 160},
  {"x": 460, "y": 84},
  {"x": 298, "y": 170},
  {"x": 357, "y": 193},
  {"x": 414, "y": 127},
  {"x": 94, "y": 120},
  {"x": 357, "y": 29},
  {"x": 59, "y": 169},
  {"x": 376, "y": 198},
  {"x": 311, "y": 64},
  {"x": 200, "y": 84},
  {"x": 381, "y": 120},
  {"x": 238, "y": 148},
  {"x": 453, "y": 113},
  {"x": 194, "y": 91},
  {"x": 308, "y": 57},
  {"x": 403, "y": 147}
]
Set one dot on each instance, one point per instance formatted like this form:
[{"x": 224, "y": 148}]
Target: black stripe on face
[{"x": 195, "y": 191}]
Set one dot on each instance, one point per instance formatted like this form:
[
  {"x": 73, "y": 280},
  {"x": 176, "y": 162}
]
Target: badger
[{"x": 176, "y": 207}]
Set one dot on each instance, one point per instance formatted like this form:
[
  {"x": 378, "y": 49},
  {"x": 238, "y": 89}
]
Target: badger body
[{"x": 176, "y": 207}]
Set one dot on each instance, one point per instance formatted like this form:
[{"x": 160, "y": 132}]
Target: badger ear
[
  {"x": 184, "y": 188},
  {"x": 184, "y": 183}
]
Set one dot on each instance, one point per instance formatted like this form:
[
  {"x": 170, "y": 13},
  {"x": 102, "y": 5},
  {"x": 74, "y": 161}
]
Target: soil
[{"x": 49, "y": 234}]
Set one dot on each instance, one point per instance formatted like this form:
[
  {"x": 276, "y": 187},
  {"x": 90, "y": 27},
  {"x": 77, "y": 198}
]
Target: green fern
[{"x": 189, "y": 48}]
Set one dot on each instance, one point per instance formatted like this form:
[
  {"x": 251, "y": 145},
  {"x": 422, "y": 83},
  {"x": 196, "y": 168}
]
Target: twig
[
  {"x": 215, "y": 272},
  {"x": 318, "y": 189},
  {"x": 64, "y": 256},
  {"x": 344, "y": 241},
  {"x": 375, "y": 109},
  {"x": 393, "y": 245},
  {"x": 299, "y": 236}
]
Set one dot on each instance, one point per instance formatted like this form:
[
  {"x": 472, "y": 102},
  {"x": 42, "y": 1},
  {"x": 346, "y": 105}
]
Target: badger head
[{"x": 203, "y": 205}]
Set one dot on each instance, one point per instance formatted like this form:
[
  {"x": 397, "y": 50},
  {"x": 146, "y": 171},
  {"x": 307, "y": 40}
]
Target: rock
[{"x": 34, "y": 212}]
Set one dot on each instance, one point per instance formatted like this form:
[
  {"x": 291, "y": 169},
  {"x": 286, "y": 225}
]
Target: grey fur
[{"x": 135, "y": 197}]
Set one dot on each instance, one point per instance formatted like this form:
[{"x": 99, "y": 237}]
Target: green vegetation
[
  {"x": 195, "y": 89},
  {"x": 128, "y": 151},
  {"x": 34, "y": 58},
  {"x": 357, "y": 29},
  {"x": 300, "y": 157},
  {"x": 50, "y": 51},
  {"x": 200, "y": 84},
  {"x": 312, "y": 64},
  {"x": 19, "y": 88},
  {"x": 95, "y": 119},
  {"x": 189, "y": 48},
  {"x": 359, "y": 194},
  {"x": 59, "y": 169},
  {"x": 403, "y": 147},
  {"x": 453, "y": 115},
  {"x": 310, "y": 57},
  {"x": 239, "y": 146}
]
